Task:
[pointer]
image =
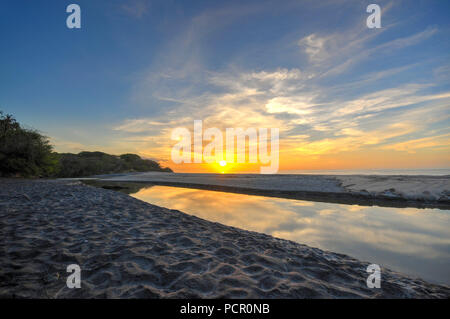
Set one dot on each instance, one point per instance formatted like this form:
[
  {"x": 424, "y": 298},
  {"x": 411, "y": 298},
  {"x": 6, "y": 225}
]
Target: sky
[{"x": 342, "y": 95}]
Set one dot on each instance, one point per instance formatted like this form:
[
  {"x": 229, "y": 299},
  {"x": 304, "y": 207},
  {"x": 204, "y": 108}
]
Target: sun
[{"x": 223, "y": 163}]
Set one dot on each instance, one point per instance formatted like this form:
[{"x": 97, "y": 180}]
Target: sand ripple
[{"x": 130, "y": 249}]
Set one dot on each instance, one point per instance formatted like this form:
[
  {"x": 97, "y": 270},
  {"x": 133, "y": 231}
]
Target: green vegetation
[
  {"x": 24, "y": 152},
  {"x": 27, "y": 153},
  {"x": 96, "y": 163}
]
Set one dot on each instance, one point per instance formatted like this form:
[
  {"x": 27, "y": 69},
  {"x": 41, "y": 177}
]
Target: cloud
[
  {"x": 141, "y": 125},
  {"x": 411, "y": 146},
  {"x": 317, "y": 113},
  {"x": 136, "y": 8},
  {"x": 270, "y": 99},
  {"x": 299, "y": 105},
  {"x": 314, "y": 47},
  {"x": 335, "y": 53},
  {"x": 350, "y": 139}
]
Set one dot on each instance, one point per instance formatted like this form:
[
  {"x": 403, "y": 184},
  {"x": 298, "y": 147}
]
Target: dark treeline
[
  {"x": 27, "y": 153},
  {"x": 95, "y": 163}
]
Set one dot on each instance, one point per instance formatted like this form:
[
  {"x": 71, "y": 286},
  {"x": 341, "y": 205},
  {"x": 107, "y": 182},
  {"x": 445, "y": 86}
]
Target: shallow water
[{"x": 410, "y": 240}]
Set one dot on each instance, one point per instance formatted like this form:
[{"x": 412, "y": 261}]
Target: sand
[
  {"x": 392, "y": 190},
  {"x": 423, "y": 188},
  {"x": 127, "y": 248}
]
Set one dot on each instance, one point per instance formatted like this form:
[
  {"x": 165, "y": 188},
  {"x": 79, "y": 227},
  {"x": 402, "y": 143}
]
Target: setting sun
[{"x": 223, "y": 163}]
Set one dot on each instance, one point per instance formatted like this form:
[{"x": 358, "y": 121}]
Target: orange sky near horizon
[{"x": 367, "y": 159}]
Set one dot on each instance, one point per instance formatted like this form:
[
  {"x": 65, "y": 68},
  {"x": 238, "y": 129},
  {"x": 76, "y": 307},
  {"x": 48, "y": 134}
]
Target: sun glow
[{"x": 223, "y": 163}]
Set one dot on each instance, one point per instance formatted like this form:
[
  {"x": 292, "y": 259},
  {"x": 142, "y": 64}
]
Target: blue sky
[{"x": 342, "y": 95}]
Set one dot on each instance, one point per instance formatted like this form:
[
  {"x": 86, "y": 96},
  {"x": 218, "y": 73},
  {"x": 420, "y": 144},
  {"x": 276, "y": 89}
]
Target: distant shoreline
[
  {"x": 367, "y": 190},
  {"x": 390, "y": 172}
]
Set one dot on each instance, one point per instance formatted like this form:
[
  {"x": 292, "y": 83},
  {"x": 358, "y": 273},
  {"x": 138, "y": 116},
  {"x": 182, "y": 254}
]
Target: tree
[
  {"x": 27, "y": 153},
  {"x": 24, "y": 152}
]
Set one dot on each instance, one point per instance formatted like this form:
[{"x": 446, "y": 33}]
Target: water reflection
[{"x": 409, "y": 240}]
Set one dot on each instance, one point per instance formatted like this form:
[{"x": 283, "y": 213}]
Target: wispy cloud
[
  {"x": 316, "y": 112},
  {"x": 136, "y": 8},
  {"x": 441, "y": 142}
]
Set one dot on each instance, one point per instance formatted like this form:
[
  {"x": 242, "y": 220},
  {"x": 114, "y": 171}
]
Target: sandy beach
[
  {"x": 127, "y": 248},
  {"x": 381, "y": 190}
]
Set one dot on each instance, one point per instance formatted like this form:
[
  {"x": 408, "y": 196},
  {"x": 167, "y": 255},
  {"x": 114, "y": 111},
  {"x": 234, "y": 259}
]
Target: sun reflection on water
[{"x": 410, "y": 240}]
